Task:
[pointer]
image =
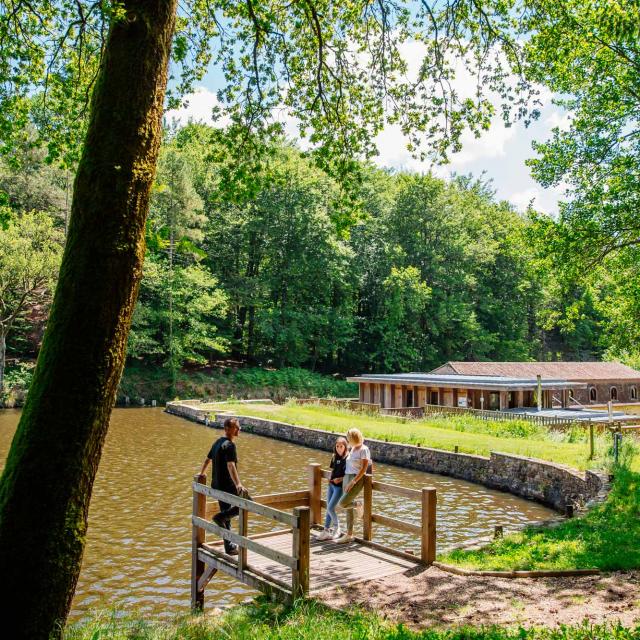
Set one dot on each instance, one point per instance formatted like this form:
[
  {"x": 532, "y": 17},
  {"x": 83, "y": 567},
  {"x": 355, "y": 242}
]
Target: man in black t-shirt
[{"x": 225, "y": 476}]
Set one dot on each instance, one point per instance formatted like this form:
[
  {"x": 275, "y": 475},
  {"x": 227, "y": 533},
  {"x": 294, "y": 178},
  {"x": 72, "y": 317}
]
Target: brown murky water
[{"x": 139, "y": 542}]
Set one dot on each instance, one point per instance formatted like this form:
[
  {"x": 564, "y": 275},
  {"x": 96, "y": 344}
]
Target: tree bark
[{"x": 46, "y": 486}]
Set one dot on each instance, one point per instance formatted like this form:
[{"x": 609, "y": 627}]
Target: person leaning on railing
[
  {"x": 358, "y": 462},
  {"x": 225, "y": 476}
]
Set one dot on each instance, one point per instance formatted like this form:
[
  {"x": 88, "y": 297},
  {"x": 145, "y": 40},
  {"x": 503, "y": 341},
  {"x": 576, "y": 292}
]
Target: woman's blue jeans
[{"x": 334, "y": 493}]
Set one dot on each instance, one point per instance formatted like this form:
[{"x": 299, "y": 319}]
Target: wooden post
[
  {"x": 367, "y": 493},
  {"x": 315, "y": 492},
  {"x": 301, "y": 550},
  {"x": 398, "y": 396},
  {"x": 243, "y": 525},
  {"x": 592, "y": 447},
  {"x": 428, "y": 537},
  {"x": 388, "y": 396},
  {"x": 197, "y": 540}
]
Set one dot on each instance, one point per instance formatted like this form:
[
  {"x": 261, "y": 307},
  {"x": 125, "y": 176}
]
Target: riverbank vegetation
[
  {"x": 308, "y": 620},
  {"x": 469, "y": 434},
  {"x": 228, "y": 382},
  {"x": 605, "y": 538}
]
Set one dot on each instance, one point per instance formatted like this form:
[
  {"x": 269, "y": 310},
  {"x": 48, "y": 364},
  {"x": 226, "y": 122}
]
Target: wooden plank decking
[{"x": 331, "y": 564}]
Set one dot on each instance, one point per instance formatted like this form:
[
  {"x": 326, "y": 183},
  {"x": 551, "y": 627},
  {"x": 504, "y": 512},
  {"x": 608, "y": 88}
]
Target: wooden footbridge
[{"x": 290, "y": 562}]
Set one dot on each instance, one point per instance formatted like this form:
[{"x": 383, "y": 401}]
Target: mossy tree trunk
[{"x": 46, "y": 486}]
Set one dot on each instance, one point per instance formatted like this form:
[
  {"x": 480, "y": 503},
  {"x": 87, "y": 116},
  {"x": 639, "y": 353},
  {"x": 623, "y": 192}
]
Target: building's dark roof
[
  {"x": 465, "y": 382},
  {"x": 584, "y": 371}
]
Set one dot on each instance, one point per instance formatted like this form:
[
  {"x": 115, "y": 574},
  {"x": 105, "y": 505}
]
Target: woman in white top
[{"x": 358, "y": 462}]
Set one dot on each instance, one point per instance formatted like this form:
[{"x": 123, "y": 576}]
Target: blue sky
[{"x": 500, "y": 152}]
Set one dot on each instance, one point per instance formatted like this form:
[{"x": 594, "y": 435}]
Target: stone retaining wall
[{"x": 550, "y": 484}]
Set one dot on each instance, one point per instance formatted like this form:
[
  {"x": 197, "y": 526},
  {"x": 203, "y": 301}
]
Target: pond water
[{"x": 139, "y": 541}]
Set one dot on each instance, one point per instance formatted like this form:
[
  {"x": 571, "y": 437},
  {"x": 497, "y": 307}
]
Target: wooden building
[
  {"x": 502, "y": 385},
  {"x": 605, "y": 380}
]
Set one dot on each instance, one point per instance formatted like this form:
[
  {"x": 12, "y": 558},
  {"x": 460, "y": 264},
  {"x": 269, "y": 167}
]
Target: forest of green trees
[{"x": 402, "y": 273}]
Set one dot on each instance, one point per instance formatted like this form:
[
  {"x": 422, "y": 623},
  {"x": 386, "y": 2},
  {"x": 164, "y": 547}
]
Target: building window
[
  {"x": 593, "y": 395},
  {"x": 614, "y": 393},
  {"x": 633, "y": 393}
]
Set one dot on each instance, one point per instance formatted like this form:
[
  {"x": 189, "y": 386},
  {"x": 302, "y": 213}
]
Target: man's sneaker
[
  {"x": 231, "y": 550},
  {"x": 359, "y": 509},
  {"x": 347, "y": 537},
  {"x": 325, "y": 534},
  {"x": 337, "y": 534}
]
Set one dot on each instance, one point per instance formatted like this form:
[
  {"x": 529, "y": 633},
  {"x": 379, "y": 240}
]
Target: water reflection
[{"x": 139, "y": 541}]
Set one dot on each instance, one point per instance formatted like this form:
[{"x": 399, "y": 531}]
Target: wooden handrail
[
  {"x": 394, "y": 523},
  {"x": 246, "y": 543},
  {"x": 249, "y": 505},
  {"x": 397, "y": 490},
  {"x": 426, "y": 530},
  {"x": 287, "y": 496},
  {"x": 298, "y": 561}
]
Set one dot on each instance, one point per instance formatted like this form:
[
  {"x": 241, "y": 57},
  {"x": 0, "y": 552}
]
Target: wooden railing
[
  {"x": 353, "y": 404},
  {"x": 403, "y": 412},
  {"x": 487, "y": 414},
  {"x": 426, "y": 497},
  {"x": 206, "y": 560},
  {"x": 306, "y": 508}
]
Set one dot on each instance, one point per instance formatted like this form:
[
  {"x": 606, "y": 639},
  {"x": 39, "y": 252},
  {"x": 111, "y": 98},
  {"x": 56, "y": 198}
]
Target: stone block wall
[{"x": 545, "y": 482}]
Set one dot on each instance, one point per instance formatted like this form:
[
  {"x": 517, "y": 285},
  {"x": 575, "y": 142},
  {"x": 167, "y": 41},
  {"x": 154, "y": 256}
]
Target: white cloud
[
  {"x": 200, "y": 105},
  {"x": 558, "y": 118},
  {"x": 522, "y": 199}
]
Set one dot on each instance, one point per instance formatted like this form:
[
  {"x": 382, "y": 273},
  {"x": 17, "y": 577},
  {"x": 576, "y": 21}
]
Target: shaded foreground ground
[{"x": 434, "y": 598}]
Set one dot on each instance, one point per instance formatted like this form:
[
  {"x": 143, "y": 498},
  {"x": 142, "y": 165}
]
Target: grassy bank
[
  {"x": 606, "y": 537},
  {"x": 470, "y": 434},
  {"x": 311, "y": 621},
  {"x": 216, "y": 384}
]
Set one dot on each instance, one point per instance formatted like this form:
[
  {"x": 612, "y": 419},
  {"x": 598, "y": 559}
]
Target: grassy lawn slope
[
  {"x": 607, "y": 537},
  {"x": 470, "y": 434}
]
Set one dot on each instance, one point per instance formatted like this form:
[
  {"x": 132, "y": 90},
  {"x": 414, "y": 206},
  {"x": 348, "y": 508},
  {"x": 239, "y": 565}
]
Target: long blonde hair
[{"x": 355, "y": 437}]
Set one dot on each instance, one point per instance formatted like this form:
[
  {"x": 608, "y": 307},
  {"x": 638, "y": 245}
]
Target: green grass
[
  {"x": 309, "y": 620},
  {"x": 470, "y": 434},
  {"x": 607, "y": 537},
  {"x": 154, "y": 383}
]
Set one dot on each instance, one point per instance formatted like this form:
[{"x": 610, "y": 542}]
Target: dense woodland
[{"x": 402, "y": 272}]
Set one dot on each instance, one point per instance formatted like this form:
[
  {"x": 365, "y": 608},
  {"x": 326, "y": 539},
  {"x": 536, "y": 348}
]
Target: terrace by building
[{"x": 503, "y": 385}]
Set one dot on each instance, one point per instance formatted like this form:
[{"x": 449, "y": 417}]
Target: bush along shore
[
  {"x": 226, "y": 383},
  {"x": 156, "y": 383},
  {"x": 309, "y": 620}
]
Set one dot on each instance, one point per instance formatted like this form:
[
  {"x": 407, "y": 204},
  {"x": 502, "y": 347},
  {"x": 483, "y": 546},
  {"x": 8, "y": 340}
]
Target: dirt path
[{"x": 431, "y": 597}]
